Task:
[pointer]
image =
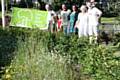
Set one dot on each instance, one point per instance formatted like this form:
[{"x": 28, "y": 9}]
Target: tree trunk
[
  {"x": 26, "y": 3},
  {"x": 3, "y": 13}
]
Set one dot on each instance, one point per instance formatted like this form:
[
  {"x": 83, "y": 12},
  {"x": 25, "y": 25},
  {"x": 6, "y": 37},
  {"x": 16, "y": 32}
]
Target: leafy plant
[{"x": 40, "y": 55}]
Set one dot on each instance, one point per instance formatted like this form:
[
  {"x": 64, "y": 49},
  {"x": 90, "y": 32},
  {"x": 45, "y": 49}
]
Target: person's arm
[
  {"x": 54, "y": 16},
  {"x": 53, "y": 12},
  {"x": 61, "y": 14},
  {"x": 87, "y": 20},
  {"x": 78, "y": 21},
  {"x": 99, "y": 12},
  {"x": 68, "y": 11}
]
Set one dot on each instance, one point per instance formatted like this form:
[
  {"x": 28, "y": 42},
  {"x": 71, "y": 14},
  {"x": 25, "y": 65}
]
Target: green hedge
[{"x": 40, "y": 55}]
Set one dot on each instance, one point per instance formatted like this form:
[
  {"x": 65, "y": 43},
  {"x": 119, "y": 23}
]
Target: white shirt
[
  {"x": 64, "y": 15},
  {"x": 82, "y": 24},
  {"x": 50, "y": 16},
  {"x": 82, "y": 19},
  {"x": 93, "y": 15}
]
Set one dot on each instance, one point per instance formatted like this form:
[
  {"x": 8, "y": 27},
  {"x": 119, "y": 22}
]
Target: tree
[
  {"x": 57, "y": 3},
  {"x": 7, "y": 2},
  {"x": 118, "y": 10},
  {"x": 110, "y": 8}
]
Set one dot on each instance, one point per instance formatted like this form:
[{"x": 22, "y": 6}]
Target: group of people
[{"x": 85, "y": 23}]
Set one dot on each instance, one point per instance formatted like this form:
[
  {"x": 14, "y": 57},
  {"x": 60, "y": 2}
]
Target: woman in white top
[
  {"x": 64, "y": 16},
  {"x": 82, "y": 22}
]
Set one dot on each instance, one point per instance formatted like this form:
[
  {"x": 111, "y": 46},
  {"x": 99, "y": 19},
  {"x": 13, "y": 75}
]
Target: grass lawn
[{"x": 109, "y": 20}]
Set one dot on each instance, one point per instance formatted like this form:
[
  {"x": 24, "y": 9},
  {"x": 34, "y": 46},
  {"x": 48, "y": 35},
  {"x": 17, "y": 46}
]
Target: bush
[{"x": 40, "y": 55}]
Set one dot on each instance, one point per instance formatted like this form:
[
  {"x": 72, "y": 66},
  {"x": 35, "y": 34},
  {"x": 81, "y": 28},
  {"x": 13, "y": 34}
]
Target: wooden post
[{"x": 3, "y": 13}]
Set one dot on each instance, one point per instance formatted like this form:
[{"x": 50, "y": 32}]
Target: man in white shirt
[{"x": 94, "y": 15}]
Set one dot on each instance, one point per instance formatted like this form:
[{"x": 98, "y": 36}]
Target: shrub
[{"x": 40, "y": 55}]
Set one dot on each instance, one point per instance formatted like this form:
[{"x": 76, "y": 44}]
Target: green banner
[{"x": 31, "y": 18}]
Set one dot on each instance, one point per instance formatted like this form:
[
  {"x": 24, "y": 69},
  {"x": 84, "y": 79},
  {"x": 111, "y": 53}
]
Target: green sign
[{"x": 31, "y": 18}]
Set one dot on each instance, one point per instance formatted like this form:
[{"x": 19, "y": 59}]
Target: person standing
[
  {"x": 82, "y": 22},
  {"x": 50, "y": 18},
  {"x": 73, "y": 19},
  {"x": 64, "y": 16},
  {"x": 94, "y": 15},
  {"x": 59, "y": 22}
]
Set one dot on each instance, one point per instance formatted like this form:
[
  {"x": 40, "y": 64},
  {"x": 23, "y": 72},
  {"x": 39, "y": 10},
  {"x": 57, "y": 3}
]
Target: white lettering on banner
[{"x": 38, "y": 20}]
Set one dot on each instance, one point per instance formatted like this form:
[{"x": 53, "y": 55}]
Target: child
[
  {"x": 59, "y": 23},
  {"x": 82, "y": 22}
]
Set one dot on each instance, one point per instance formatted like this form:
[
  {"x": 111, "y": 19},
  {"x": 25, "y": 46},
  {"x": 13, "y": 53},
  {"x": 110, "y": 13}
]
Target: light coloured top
[
  {"x": 94, "y": 15},
  {"x": 64, "y": 16},
  {"x": 50, "y": 15},
  {"x": 82, "y": 24},
  {"x": 82, "y": 19}
]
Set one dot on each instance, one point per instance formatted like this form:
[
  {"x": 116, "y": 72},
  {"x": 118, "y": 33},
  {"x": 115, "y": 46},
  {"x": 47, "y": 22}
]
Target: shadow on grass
[{"x": 8, "y": 43}]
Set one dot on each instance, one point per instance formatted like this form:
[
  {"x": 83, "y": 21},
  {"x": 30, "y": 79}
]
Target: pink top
[{"x": 59, "y": 22}]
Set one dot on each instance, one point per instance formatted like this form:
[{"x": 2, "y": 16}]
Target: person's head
[
  {"x": 48, "y": 7},
  {"x": 92, "y": 0},
  {"x": 88, "y": 4},
  {"x": 93, "y": 3},
  {"x": 83, "y": 8},
  {"x": 74, "y": 8},
  {"x": 64, "y": 7}
]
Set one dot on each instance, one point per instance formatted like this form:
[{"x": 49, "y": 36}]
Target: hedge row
[{"x": 39, "y": 55}]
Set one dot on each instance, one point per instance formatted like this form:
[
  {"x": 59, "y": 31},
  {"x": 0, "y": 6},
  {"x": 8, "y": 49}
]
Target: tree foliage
[{"x": 113, "y": 7}]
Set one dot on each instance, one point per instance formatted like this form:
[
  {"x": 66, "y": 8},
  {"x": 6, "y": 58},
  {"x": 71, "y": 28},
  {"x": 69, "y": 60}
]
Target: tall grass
[
  {"x": 33, "y": 61},
  {"x": 40, "y": 55}
]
